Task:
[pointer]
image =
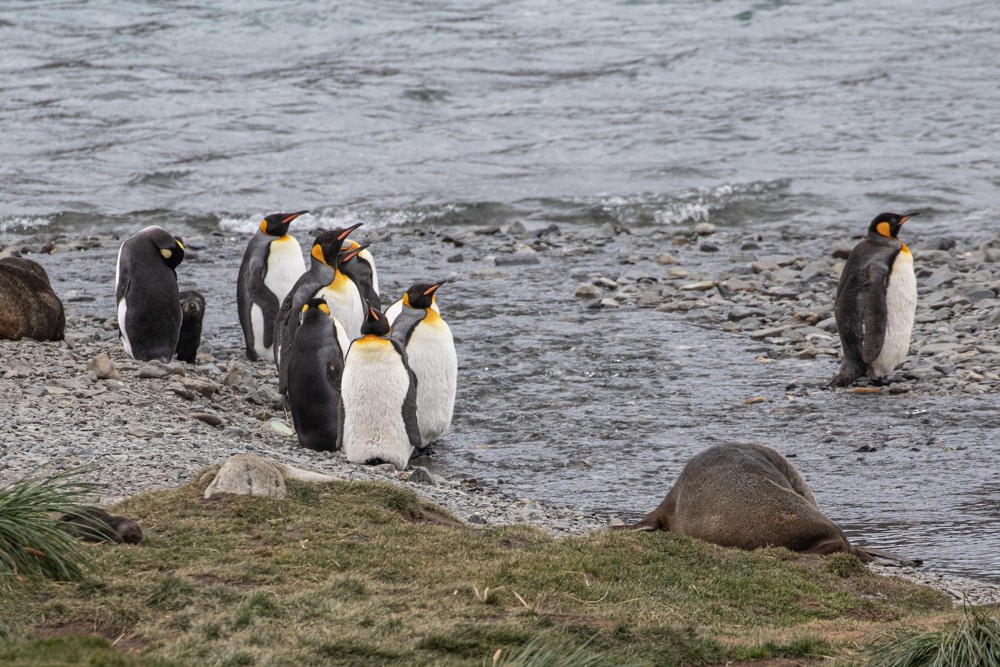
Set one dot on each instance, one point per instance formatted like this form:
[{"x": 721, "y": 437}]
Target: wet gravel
[{"x": 593, "y": 363}]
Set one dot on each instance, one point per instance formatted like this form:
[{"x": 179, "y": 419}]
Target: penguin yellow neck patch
[
  {"x": 263, "y": 226},
  {"x": 406, "y": 299},
  {"x": 904, "y": 248},
  {"x": 317, "y": 253}
]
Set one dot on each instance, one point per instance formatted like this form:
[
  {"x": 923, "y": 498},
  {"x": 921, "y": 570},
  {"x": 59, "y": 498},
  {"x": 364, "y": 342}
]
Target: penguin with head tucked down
[
  {"x": 315, "y": 365},
  {"x": 149, "y": 308},
  {"x": 271, "y": 265},
  {"x": 430, "y": 350},
  {"x": 378, "y": 399},
  {"x": 876, "y": 302}
]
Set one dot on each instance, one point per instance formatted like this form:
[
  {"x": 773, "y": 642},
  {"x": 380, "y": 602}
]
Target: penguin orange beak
[
  {"x": 344, "y": 234},
  {"x": 433, "y": 288},
  {"x": 291, "y": 217},
  {"x": 373, "y": 313},
  {"x": 907, "y": 216}
]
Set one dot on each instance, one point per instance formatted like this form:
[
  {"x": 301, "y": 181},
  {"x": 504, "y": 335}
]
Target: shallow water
[{"x": 754, "y": 115}]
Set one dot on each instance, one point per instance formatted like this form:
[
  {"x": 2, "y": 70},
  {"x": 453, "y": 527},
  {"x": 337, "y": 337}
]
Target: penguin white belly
[
  {"x": 284, "y": 266},
  {"x": 122, "y": 306},
  {"x": 122, "y": 310},
  {"x": 431, "y": 354},
  {"x": 373, "y": 388},
  {"x": 900, "y": 305},
  {"x": 345, "y": 305},
  {"x": 257, "y": 323}
]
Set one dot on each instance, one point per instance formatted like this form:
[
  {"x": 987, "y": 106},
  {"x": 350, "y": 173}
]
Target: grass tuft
[
  {"x": 33, "y": 545},
  {"x": 974, "y": 642},
  {"x": 545, "y": 652}
]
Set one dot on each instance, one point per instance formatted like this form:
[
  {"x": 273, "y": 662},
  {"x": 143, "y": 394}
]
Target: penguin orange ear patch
[
  {"x": 305, "y": 307},
  {"x": 325, "y": 308},
  {"x": 167, "y": 253},
  {"x": 884, "y": 230}
]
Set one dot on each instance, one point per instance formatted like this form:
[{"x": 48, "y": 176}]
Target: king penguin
[
  {"x": 362, "y": 272},
  {"x": 149, "y": 307},
  {"x": 322, "y": 260},
  {"x": 378, "y": 398},
  {"x": 315, "y": 365},
  {"x": 271, "y": 265},
  {"x": 341, "y": 296},
  {"x": 876, "y": 302},
  {"x": 430, "y": 350}
]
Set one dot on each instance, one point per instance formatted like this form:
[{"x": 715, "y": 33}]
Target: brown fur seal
[
  {"x": 192, "y": 314},
  {"x": 747, "y": 496},
  {"x": 28, "y": 306},
  {"x": 95, "y": 525}
]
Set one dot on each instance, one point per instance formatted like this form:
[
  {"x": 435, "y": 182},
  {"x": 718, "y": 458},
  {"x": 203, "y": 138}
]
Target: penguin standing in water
[
  {"x": 876, "y": 303},
  {"x": 430, "y": 350},
  {"x": 378, "y": 399},
  {"x": 149, "y": 308},
  {"x": 271, "y": 265},
  {"x": 315, "y": 365},
  {"x": 341, "y": 296}
]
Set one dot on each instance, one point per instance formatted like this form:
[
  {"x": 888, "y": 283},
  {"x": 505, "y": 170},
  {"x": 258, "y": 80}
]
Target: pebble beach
[{"x": 143, "y": 426}]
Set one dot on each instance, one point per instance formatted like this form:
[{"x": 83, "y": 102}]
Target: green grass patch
[
  {"x": 974, "y": 642},
  {"x": 370, "y": 574}
]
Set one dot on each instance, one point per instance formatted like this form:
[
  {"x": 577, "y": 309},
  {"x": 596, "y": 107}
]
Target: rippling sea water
[{"x": 752, "y": 115}]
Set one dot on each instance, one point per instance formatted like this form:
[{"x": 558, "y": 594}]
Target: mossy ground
[{"x": 368, "y": 574}]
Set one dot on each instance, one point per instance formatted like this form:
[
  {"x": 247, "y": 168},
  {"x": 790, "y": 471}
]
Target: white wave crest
[{"x": 23, "y": 223}]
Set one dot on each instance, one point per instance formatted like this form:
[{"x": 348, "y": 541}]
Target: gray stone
[
  {"x": 102, "y": 368},
  {"x": 708, "y": 247},
  {"x": 666, "y": 259},
  {"x": 587, "y": 292},
  {"x": 208, "y": 418},
  {"x": 421, "y": 475},
  {"x": 239, "y": 377},
  {"x": 521, "y": 259},
  {"x": 246, "y": 474},
  {"x": 704, "y": 228}
]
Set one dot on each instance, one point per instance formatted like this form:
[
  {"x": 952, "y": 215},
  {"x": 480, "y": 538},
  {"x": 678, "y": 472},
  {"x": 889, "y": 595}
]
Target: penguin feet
[{"x": 424, "y": 451}]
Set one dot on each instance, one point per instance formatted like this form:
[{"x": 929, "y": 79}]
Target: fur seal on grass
[
  {"x": 28, "y": 306},
  {"x": 192, "y": 315},
  {"x": 92, "y": 524},
  {"x": 748, "y": 496}
]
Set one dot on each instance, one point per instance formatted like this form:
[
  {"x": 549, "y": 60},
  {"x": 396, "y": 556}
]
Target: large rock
[{"x": 246, "y": 474}]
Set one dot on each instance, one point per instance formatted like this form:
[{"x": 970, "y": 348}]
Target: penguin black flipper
[
  {"x": 406, "y": 323},
  {"x": 268, "y": 302},
  {"x": 873, "y": 306},
  {"x": 410, "y": 402}
]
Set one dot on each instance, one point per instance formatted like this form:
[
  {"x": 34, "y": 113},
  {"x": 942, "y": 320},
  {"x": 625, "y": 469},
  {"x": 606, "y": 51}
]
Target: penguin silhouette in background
[
  {"x": 315, "y": 365},
  {"x": 876, "y": 302},
  {"x": 378, "y": 399},
  {"x": 149, "y": 309},
  {"x": 271, "y": 265},
  {"x": 430, "y": 352}
]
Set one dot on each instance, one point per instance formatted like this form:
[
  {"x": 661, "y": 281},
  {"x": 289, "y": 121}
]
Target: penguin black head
[
  {"x": 276, "y": 224},
  {"x": 375, "y": 323},
  {"x": 171, "y": 249},
  {"x": 345, "y": 257},
  {"x": 314, "y": 308},
  {"x": 421, "y": 295},
  {"x": 329, "y": 243},
  {"x": 887, "y": 225}
]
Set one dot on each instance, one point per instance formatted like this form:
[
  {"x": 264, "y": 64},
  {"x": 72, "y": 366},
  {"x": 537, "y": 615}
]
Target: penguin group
[
  {"x": 380, "y": 386},
  {"x": 350, "y": 379}
]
